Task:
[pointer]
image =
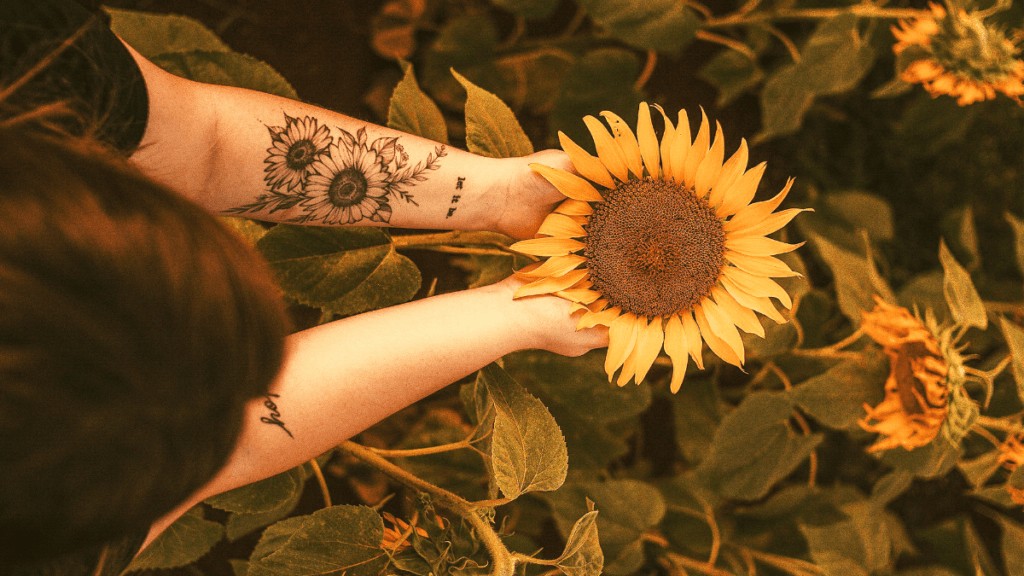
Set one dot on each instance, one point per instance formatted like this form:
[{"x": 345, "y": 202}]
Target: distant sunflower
[
  {"x": 960, "y": 55},
  {"x": 659, "y": 242},
  {"x": 1011, "y": 456}
]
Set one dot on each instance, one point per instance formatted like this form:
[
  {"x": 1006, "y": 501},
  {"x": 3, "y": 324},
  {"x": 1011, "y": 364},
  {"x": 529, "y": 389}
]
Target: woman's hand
[
  {"x": 548, "y": 323},
  {"x": 528, "y": 197}
]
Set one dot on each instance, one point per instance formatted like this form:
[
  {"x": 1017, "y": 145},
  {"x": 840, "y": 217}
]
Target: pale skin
[{"x": 211, "y": 143}]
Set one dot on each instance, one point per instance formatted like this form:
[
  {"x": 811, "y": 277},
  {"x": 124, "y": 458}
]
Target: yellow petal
[
  {"x": 731, "y": 172},
  {"x": 629, "y": 366},
  {"x": 711, "y": 165},
  {"x": 698, "y": 150},
  {"x": 554, "y": 266},
  {"x": 742, "y": 192},
  {"x": 588, "y": 166},
  {"x": 757, "y": 286},
  {"x": 722, "y": 326},
  {"x": 757, "y": 303},
  {"x": 676, "y": 348},
  {"x": 571, "y": 207},
  {"x": 648, "y": 141},
  {"x": 548, "y": 246},
  {"x": 626, "y": 140},
  {"x": 603, "y": 318},
  {"x": 648, "y": 346},
  {"x": 767, "y": 266},
  {"x": 621, "y": 339},
  {"x": 550, "y": 284},
  {"x": 681, "y": 147},
  {"x": 759, "y": 246},
  {"x": 717, "y": 345},
  {"x": 561, "y": 226},
  {"x": 666, "y": 144},
  {"x": 766, "y": 226},
  {"x": 579, "y": 295},
  {"x": 693, "y": 340},
  {"x": 739, "y": 315},
  {"x": 758, "y": 211},
  {"x": 568, "y": 183},
  {"x": 607, "y": 150}
]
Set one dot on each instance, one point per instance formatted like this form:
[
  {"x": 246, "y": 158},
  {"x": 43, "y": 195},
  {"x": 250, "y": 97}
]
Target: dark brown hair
[{"x": 133, "y": 328}]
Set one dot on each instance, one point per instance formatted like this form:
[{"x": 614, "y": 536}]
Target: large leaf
[
  {"x": 1013, "y": 546},
  {"x": 663, "y": 25},
  {"x": 962, "y": 297},
  {"x": 155, "y": 34},
  {"x": 856, "y": 279},
  {"x": 262, "y": 496},
  {"x": 491, "y": 126},
  {"x": 528, "y": 8},
  {"x": 732, "y": 74},
  {"x": 628, "y": 508},
  {"x": 330, "y": 542},
  {"x": 226, "y": 69},
  {"x": 697, "y": 410},
  {"x": 1018, "y": 236},
  {"x": 859, "y": 211},
  {"x": 931, "y": 461},
  {"x": 601, "y": 80},
  {"x": 341, "y": 270},
  {"x": 528, "y": 450},
  {"x": 754, "y": 448},
  {"x": 1014, "y": 336},
  {"x": 182, "y": 543},
  {"x": 860, "y": 545},
  {"x": 413, "y": 111},
  {"x": 837, "y": 397}
]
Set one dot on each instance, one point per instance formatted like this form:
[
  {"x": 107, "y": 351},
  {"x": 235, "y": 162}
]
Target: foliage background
[{"x": 737, "y": 474}]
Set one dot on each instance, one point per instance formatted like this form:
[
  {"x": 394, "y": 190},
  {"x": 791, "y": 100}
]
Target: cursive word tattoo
[
  {"x": 339, "y": 179},
  {"x": 274, "y": 418}
]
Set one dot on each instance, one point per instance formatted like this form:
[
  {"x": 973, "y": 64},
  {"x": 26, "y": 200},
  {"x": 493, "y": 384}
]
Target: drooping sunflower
[
  {"x": 658, "y": 241},
  {"x": 959, "y": 54}
]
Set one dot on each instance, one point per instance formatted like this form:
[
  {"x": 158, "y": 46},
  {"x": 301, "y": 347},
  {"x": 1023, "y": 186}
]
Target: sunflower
[
  {"x": 658, "y": 241},
  {"x": 293, "y": 150},
  {"x": 960, "y": 55},
  {"x": 917, "y": 391},
  {"x": 348, "y": 184},
  {"x": 1011, "y": 456}
]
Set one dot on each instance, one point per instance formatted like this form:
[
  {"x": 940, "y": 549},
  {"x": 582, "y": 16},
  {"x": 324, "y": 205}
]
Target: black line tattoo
[
  {"x": 455, "y": 197},
  {"x": 336, "y": 180},
  {"x": 274, "y": 418}
]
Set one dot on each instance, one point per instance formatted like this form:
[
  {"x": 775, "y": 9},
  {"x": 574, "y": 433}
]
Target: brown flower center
[
  {"x": 653, "y": 248},
  {"x": 347, "y": 188},
  {"x": 301, "y": 154}
]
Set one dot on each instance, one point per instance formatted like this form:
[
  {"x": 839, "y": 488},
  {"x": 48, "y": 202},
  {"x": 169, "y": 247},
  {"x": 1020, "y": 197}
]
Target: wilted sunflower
[
  {"x": 1011, "y": 456},
  {"x": 924, "y": 370},
  {"x": 959, "y": 54},
  {"x": 659, "y": 242}
]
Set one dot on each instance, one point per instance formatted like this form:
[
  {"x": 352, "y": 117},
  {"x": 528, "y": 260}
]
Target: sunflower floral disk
[{"x": 658, "y": 240}]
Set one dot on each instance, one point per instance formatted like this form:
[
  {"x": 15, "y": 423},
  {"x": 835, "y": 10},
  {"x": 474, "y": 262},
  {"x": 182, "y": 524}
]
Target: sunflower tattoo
[{"x": 340, "y": 180}]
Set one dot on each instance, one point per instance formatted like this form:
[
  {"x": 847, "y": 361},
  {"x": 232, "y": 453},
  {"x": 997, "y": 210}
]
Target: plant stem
[
  {"x": 794, "y": 566},
  {"x": 504, "y": 563},
  {"x": 998, "y": 424},
  {"x": 447, "y": 238},
  {"x": 490, "y": 503},
  {"x": 696, "y": 565},
  {"x": 649, "y": 65},
  {"x": 322, "y": 482},
  {"x": 860, "y": 10},
  {"x": 425, "y": 451}
]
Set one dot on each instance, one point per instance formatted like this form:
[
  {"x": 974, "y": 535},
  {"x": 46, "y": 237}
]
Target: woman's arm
[
  {"x": 252, "y": 154},
  {"x": 341, "y": 378}
]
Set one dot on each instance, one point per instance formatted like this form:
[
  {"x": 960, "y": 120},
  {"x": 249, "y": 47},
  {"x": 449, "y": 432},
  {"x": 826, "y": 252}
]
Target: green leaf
[
  {"x": 832, "y": 61},
  {"x": 859, "y": 211},
  {"x": 925, "y": 291},
  {"x": 582, "y": 555},
  {"x": 628, "y": 509},
  {"x": 860, "y": 545},
  {"x": 930, "y": 125},
  {"x": 182, "y": 543},
  {"x": 528, "y": 8},
  {"x": 837, "y": 397},
  {"x": 460, "y": 471},
  {"x": 1013, "y": 546},
  {"x": 1014, "y": 336},
  {"x": 239, "y": 567},
  {"x": 491, "y": 127},
  {"x": 262, "y": 496},
  {"x": 890, "y": 487},
  {"x": 528, "y": 450},
  {"x": 697, "y": 410},
  {"x": 249, "y": 230},
  {"x": 241, "y": 525},
  {"x": 227, "y": 69},
  {"x": 856, "y": 279},
  {"x": 662, "y": 25},
  {"x": 412, "y": 111},
  {"x": 755, "y": 448},
  {"x": 931, "y": 461},
  {"x": 964, "y": 302},
  {"x": 978, "y": 470},
  {"x": 155, "y": 34},
  {"x": 341, "y": 270},
  {"x": 333, "y": 541},
  {"x": 601, "y": 80},
  {"x": 1018, "y": 235},
  {"x": 732, "y": 74},
  {"x": 597, "y": 417}
]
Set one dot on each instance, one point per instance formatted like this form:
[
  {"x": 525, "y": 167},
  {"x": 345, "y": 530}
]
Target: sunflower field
[{"x": 802, "y": 222}]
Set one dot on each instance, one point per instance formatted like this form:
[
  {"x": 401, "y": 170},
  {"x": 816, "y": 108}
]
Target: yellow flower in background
[
  {"x": 658, "y": 241},
  {"x": 1011, "y": 456},
  {"x": 960, "y": 55},
  {"x": 916, "y": 400}
]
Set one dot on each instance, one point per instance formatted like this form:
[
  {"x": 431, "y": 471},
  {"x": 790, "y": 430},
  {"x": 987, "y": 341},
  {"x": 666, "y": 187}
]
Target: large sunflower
[
  {"x": 658, "y": 241},
  {"x": 959, "y": 54}
]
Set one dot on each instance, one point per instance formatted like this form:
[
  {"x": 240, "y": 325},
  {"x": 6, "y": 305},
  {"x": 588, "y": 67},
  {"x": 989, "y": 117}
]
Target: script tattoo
[
  {"x": 274, "y": 418},
  {"x": 336, "y": 180},
  {"x": 456, "y": 197}
]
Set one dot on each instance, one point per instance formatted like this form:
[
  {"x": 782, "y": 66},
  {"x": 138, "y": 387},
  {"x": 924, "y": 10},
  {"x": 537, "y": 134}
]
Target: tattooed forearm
[
  {"x": 274, "y": 417},
  {"x": 336, "y": 180}
]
